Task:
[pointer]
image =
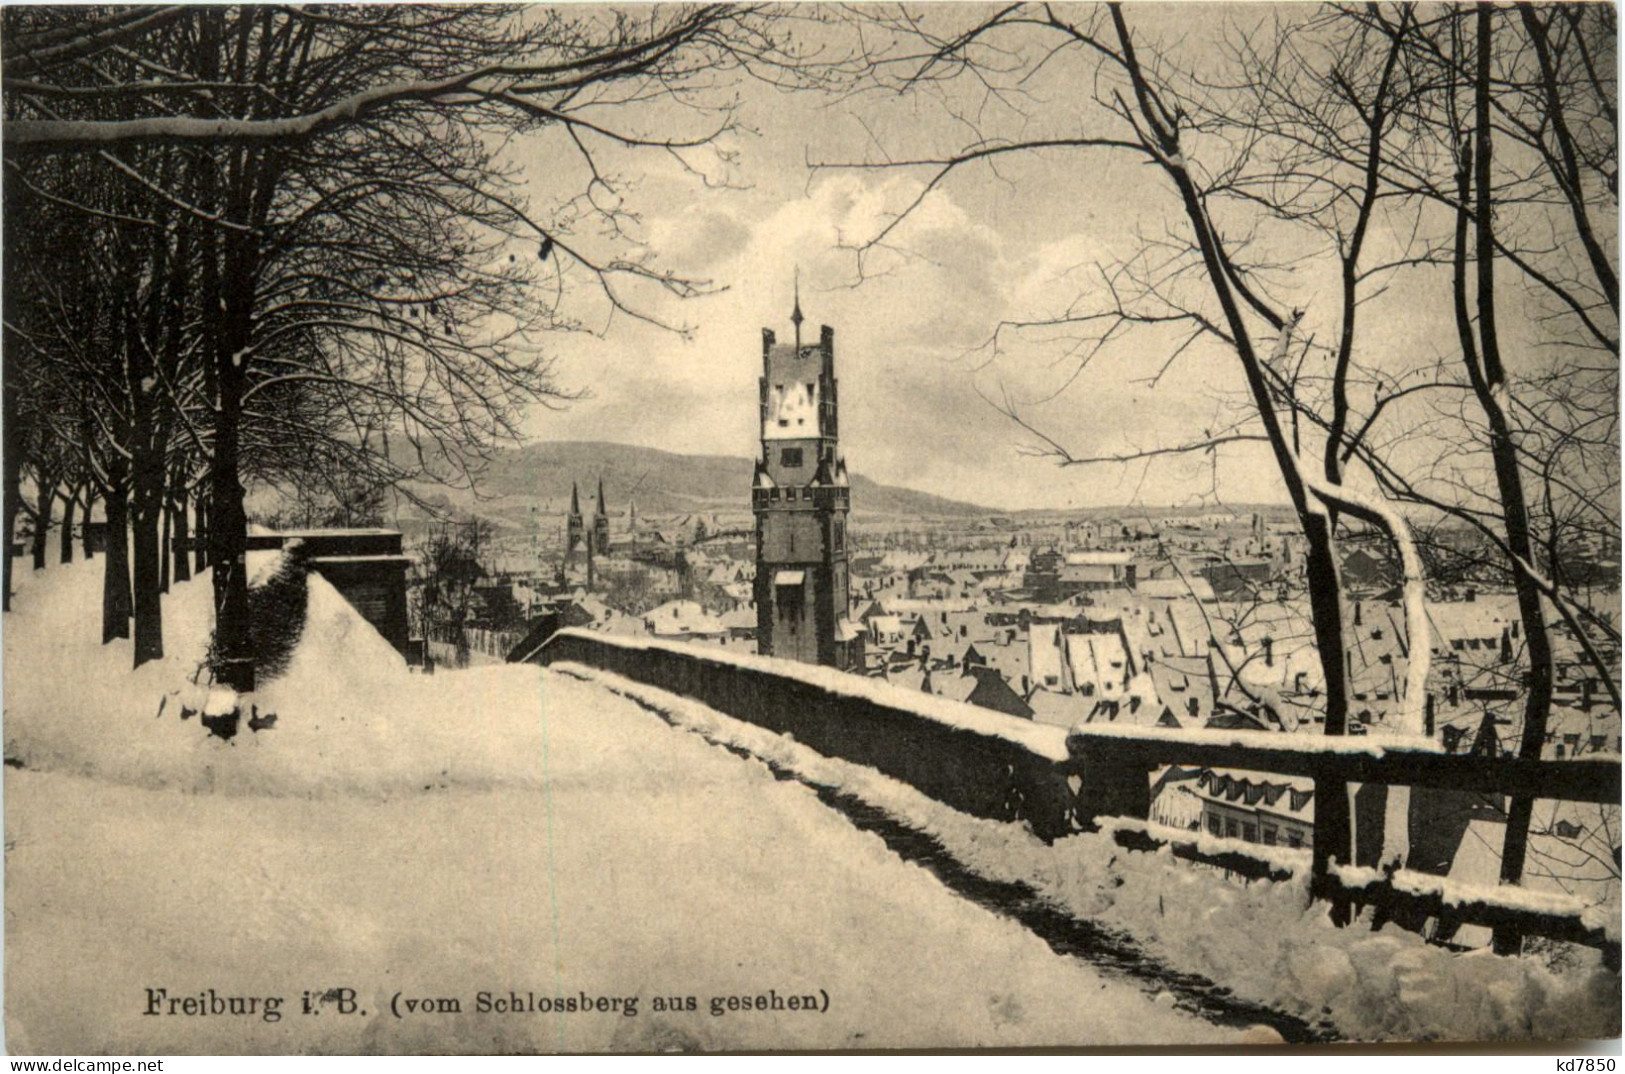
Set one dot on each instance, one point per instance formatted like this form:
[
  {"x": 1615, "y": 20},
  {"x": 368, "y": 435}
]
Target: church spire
[
  {"x": 795, "y": 314},
  {"x": 575, "y": 499},
  {"x": 601, "y": 509}
]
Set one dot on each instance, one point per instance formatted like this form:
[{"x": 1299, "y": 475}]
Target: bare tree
[
  {"x": 1204, "y": 281},
  {"x": 330, "y": 187}
]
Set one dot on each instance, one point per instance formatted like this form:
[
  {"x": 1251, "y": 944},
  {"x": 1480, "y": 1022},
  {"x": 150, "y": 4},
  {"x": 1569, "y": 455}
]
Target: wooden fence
[{"x": 1114, "y": 763}]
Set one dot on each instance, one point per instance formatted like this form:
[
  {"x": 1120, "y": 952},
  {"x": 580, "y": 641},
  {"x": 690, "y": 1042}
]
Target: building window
[
  {"x": 1269, "y": 835},
  {"x": 1213, "y": 826},
  {"x": 1294, "y": 838},
  {"x": 1231, "y": 829},
  {"x": 1249, "y": 832},
  {"x": 790, "y": 456}
]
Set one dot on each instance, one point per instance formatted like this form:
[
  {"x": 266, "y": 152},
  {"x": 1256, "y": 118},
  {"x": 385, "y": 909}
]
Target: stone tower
[
  {"x": 600, "y": 524},
  {"x": 801, "y": 500}
]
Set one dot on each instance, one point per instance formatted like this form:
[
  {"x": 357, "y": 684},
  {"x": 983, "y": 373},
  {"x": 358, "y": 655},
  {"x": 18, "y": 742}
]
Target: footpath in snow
[{"x": 506, "y": 831}]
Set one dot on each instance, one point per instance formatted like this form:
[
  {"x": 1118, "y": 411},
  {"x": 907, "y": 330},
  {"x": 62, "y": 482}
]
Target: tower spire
[
  {"x": 795, "y": 314},
  {"x": 601, "y": 509}
]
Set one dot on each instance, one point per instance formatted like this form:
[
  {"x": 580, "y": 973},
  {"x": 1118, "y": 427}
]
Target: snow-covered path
[{"x": 635, "y": 860}]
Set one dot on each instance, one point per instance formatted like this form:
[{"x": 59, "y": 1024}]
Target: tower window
[{"x": 790, "y": 456}]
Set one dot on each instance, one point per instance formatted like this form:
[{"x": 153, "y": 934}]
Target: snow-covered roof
[
  {"x": 1176, "y": 588},
  {"x": 792, "y": 411},
  {"x": 1099, "y": 660},
  {"x": 1099, "y": 559}
]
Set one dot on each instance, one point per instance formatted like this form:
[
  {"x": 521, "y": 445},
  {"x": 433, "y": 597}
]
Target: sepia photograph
[{"x": 816, "y": 527}]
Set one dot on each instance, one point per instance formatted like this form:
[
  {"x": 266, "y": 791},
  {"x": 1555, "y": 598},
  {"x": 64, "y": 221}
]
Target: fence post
[{"x": 1332, "y": 839}]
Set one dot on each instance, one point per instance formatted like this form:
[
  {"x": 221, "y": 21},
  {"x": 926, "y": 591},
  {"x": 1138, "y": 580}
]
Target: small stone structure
[{"x": 366, "y": 565}]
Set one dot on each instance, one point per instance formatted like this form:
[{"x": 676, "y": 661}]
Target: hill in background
[{"x": 662, "y": 483}]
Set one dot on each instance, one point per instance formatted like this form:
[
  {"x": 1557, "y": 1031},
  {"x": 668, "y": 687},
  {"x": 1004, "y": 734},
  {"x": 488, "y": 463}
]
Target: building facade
[{"x": 801, "y": 499}]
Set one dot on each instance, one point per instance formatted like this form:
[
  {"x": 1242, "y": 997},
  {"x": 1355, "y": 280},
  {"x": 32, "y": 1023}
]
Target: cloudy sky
[{"x": 1020, "y": 243}]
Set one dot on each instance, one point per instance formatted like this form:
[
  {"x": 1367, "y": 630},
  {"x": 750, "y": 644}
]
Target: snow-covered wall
[{"x": 977, "y": 761}]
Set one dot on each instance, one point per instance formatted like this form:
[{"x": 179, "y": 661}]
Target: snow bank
[
  {"x": 1266, "y": 941},
  {"x": 649, "y": 864},
  {"x": 350, "y": 717}
]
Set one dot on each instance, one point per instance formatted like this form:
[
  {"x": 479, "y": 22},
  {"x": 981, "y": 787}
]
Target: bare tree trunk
[
  {"x": 200, "y": 550},
  {"x": 85, "y": 545},
  {"x": 164, "y": 545},
  {"x": 65, "y": 547},
  {"x": 228, "y": 536},
  {"x": 116, "y": 570},
  {"x": 1489, "y": 381},
  {"x": 183, "y": 563},
  {"x": 1333, "y": 840},
  {"x": 148, "y": 606},
  {"x": 43, "y": 499},
  {"x": 11, "y": 460}
]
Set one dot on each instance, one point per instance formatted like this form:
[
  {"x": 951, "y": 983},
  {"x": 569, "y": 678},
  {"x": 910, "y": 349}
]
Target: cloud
[{"x": 906, "y": 342}]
